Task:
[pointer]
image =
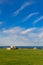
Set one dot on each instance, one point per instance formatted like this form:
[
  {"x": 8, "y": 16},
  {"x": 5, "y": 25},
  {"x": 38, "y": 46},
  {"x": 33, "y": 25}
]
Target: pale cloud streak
[
  {"x": 12, "y": 30},
  {"x": 28, "y": 30},
  {"x": 30, "y": 15},
  {"x": 37, "y": 20},
  {"x": 22, "y": 7},
  {"x": 20, "y": 36},
  {"x": 41, "y": 35}
]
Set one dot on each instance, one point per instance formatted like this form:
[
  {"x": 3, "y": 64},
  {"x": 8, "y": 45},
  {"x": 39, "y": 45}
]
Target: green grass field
[{"x": 21, "y": 57}]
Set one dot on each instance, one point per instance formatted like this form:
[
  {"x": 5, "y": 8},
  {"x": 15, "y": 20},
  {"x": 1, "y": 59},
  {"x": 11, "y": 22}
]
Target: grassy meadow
[{"x": 21, "y": 57}]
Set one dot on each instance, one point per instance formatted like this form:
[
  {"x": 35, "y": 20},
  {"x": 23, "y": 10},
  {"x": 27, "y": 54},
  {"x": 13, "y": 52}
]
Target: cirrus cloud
[
  {"x": 22, "y": 7},
  {"x": 37, "y": 20},
  {"x": 30, "y": 15},
  {"x": 17, "y": 36}
]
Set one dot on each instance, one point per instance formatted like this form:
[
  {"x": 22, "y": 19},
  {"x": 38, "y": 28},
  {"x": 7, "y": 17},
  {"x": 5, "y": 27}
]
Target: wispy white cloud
[
  {"x": 41, "y": 35},
  {"x": 16, "y": 36},
  {"x": 28, "y": 30},
  {"x": 30, "y": 15},
  {"x": 37, "y": 20},
  {"x": 22, "y": 7},
  {"x": 12, "y": 30}
]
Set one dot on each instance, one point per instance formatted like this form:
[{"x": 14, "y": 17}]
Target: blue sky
[{"x": 21, "y": 22}]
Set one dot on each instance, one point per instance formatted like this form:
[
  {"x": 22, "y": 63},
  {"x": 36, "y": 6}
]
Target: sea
[{"x": 39, "y": 47}]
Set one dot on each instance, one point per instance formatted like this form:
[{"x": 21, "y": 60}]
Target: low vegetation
[{"x": 21, "y": 57}]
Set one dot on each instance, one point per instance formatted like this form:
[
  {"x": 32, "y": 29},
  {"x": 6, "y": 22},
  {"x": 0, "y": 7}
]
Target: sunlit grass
[{"x": 21, "y": 57}]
